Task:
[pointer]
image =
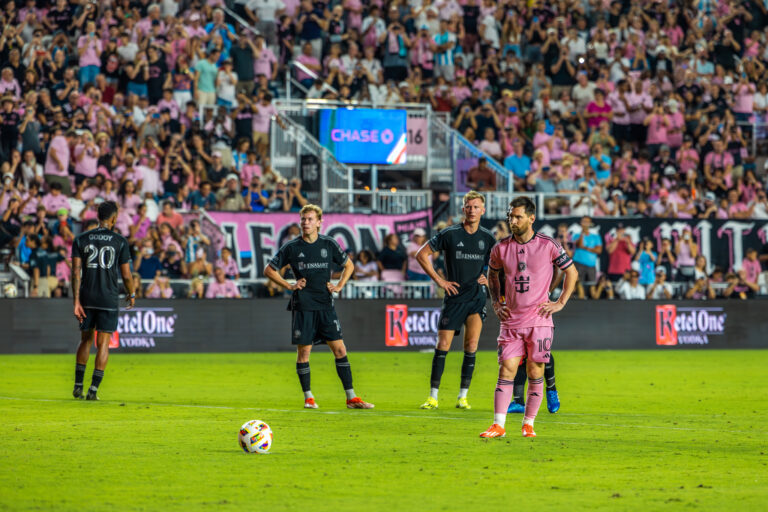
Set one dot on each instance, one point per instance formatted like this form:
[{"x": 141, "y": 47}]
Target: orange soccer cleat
[
  {"x": 309, "y": 403},
  {"x": 494, "y": 430},
  {"x": 358, "y": 403},
  {"x": 528, "y": 431}
]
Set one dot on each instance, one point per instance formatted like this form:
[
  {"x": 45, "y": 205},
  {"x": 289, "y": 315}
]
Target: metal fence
[{"x": 548, "y": 206}]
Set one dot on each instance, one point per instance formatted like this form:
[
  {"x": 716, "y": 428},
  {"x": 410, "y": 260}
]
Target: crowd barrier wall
[{"x": 34, "y": 326}]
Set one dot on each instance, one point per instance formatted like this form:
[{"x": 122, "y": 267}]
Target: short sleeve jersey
[
  {"x": 313, "y": 262},
  {"x": 466, "y": 255},
  {"x": 102, "y": 251},
  {"x": 528, "y": 270}
]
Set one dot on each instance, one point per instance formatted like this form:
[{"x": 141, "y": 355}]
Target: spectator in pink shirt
[
  {"x": 310, "y": 61},
  {"x": 228, "y": 264},
  {"x": 56, "y": 168},
  {"x": 490, "y": 145},
  {"x": 86, "y": 158},
  {"x": 718, "y": 158},
  {"x": 657, "y": 123},
  {"x": 9, "y": 84},
  {"x": 751, "y": 266},
  {"x": 169, "y": 215},
  {"x": 220, "y": 287},
  {"x": 743, "y": 99},
  {"x": 598, "y": 111},
  {"x": 687, "y": 157},
  {"x": 55, "y": 200},
  {"x": 676, "y": 125},
  {"x": 578, "y": 147},
  {"x": 263, "y": 113},
  {"x": 160, "y": 288},
  {"x": 737, "y": 209},
  {"x": 264, "y": 60},
  {"x": 89, "y": 49}
]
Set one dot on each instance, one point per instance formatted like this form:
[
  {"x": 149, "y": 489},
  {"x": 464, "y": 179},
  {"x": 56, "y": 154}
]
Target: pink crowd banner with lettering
[{"x": 255, "y": 237}]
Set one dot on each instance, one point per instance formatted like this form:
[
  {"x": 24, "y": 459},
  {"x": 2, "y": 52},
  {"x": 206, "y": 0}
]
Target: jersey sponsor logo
[
  {"x": 312, "y": 266},
  {"x": 469, "y": 256},
  {"x": 677, "y": 325},
  {"x": 522, "y": 283},
  {"x": 411, "y": 326},
  {"x": 521, "y": 266},
  {"x": 460, "y": 244}
]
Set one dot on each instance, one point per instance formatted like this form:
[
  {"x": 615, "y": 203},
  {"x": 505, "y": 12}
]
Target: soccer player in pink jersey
[{"x": 527, "y": 260}]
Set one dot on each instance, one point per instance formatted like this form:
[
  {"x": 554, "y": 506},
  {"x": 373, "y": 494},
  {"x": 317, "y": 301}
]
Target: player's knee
[
  {"x": 302, "y": 354},
  {"x": 470, "y": 345},
  {"x": 444, "y": 345},
  {"x": 339, "y": 351}
]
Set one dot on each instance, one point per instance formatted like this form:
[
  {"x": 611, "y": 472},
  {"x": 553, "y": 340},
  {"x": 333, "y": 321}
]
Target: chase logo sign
[
  {"x": 364, "y": 135},
  {"x": 676, "y": 325}
]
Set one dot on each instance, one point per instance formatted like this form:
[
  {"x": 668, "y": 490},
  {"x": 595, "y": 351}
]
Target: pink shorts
[{"x": 535, "y": 342}]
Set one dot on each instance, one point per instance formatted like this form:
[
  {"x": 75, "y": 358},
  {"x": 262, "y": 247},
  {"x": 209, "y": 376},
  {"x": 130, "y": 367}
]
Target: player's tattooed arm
[
  {"x": 75, "y": 280},
  {"x": 494, "y": 285}
]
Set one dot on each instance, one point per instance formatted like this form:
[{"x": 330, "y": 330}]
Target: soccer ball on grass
[
  {"x": 10, "y": 291},
  {"x": 255, "y": 436}
]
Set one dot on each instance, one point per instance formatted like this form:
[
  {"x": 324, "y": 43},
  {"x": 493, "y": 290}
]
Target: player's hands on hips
[
  {"x": 79, "y": 313},
  {"x": 547, "y": 309},
  {"x": 299, "y": 285},
  {"x": 482, "y": 280},
  {"x": 131, "y": 302},
  {"x": 333, "y": 288},
  {"x": 501, "y": 311},
  {"x": 450, "y": 287}
]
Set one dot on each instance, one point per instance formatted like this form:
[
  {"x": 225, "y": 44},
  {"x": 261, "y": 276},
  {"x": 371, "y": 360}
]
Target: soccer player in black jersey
[
  {"x": 98, "y": 257},
  {"x": 467, "y": 248},
  {"x": 314, "y": 319}
]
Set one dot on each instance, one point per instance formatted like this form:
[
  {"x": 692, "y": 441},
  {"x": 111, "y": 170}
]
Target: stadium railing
[
  {"x": 497, "y": 203},
  {"x": 463, "y": 155}
]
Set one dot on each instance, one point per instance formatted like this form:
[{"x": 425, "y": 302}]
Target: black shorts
[
  {"x": 454, "y": 314},
  {"x": 101, "y": 320},
  {"x": 315, "y": 327}
]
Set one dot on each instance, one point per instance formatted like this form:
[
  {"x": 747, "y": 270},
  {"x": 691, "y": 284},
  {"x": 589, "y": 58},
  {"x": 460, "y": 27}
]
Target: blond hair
[
  {"x": 473, "y": 195},
  {"x": 312, "y": 208}
]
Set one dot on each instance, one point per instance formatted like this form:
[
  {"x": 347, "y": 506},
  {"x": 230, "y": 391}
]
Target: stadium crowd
[{"x": 646, "y": 110}]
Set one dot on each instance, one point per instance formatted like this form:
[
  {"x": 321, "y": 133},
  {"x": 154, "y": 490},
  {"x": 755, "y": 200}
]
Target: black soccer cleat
[
  {"x": 78, "y": 392},
  {"x": 91, "y": 395}
]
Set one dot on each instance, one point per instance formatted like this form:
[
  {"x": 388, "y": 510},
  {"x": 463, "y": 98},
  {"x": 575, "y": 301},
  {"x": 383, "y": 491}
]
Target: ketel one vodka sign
[
  {"x": 411, "y": 326},
  {"x": 677, "y": 325},
  {"x": 143, "y": 327}
]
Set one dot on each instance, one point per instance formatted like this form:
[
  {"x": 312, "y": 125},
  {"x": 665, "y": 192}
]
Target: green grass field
[{"x": 637, "y": 431}]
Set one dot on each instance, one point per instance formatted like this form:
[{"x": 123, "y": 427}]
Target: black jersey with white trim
[
  {"x": 313, "y": 262},
  {"x": 101, "y": 251},
  {"x": 466, "y": 255}
]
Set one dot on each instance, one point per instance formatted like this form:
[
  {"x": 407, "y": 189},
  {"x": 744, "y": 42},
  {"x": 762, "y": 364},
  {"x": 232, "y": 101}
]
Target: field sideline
[{"x": 637, "y": 431}]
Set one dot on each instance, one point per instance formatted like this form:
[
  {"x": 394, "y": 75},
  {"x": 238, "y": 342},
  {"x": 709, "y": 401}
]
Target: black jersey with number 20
[
  {"x": 102, "y": 251},
  {"x": 466, "y": 255},
  {"x": 313, "y": 262}
]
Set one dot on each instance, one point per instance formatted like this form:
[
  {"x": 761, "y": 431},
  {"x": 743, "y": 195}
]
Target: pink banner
[{"x": 255, "y": 237}]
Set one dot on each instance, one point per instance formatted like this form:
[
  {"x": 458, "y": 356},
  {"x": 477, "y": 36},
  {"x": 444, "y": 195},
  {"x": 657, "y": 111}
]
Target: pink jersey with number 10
[{"x": 528, "y": 273}]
